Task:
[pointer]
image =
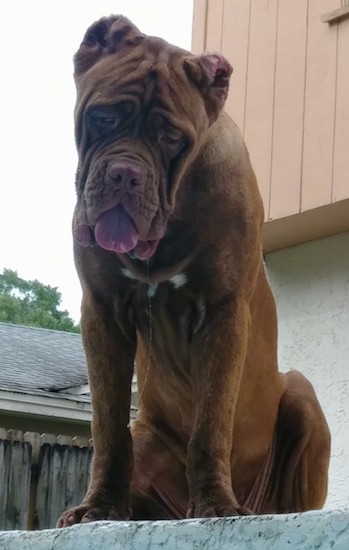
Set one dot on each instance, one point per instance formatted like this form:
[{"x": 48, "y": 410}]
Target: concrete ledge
[{"x": 310, "y": 531}]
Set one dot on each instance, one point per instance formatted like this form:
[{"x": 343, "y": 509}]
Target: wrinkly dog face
[{"x": 142, "y": 109}]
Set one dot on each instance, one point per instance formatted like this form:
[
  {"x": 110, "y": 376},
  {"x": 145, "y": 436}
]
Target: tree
[{"x": 32, "y": 303}]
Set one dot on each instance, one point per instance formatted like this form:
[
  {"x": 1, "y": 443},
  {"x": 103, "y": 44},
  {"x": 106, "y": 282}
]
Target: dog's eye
[
  {"x": 104, "y": 119},
  {"x": 174, "y": 141},
  {"x": 175, "y": 145},
  {"x": 171, "y": 140},
  {"x": 109, "y": 117},
  {"x": 127, "y": 107}
]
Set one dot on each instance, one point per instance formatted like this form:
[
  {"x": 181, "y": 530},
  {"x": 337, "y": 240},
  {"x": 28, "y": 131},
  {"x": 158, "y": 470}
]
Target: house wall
[
  {"x": 311, "y": 286},
  {"x": 288, "y": 95}
]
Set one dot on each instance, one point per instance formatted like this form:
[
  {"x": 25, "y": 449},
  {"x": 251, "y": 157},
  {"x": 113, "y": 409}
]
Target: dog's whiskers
[{"x": 149, "y": 295}]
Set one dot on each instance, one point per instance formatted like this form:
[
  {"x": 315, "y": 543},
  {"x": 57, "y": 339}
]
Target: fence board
[
  {"x": 63, "y": 479},
  {"x": 15, "y": 475},
  {"x": 40, "y": 476}
]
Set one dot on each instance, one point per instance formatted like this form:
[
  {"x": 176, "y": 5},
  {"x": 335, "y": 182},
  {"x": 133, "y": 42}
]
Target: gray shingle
[{"x": 36, "y": 358}]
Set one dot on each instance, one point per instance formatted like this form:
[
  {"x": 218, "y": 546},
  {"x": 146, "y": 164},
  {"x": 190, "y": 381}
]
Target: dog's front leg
[
  {"x": 110, "y": 357},
  {"x": 218, "y": 359}
]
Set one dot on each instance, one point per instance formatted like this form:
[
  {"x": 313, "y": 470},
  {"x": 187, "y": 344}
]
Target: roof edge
[
  {"x": 41, "y": 329},
  {"x": 42, "y": 406}
]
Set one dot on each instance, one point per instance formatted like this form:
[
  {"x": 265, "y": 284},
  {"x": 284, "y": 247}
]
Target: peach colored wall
[{"x": 289, "y": 95}]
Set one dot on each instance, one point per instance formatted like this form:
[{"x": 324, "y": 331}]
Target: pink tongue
[{"x": 116, "y": 231}]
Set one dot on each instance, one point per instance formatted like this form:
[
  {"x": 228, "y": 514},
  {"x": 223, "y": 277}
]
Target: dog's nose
[{"x": 126, "y": 175}]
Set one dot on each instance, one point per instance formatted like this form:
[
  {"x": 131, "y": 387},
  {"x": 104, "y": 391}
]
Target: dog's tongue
[{"x": 116, "y": 231}]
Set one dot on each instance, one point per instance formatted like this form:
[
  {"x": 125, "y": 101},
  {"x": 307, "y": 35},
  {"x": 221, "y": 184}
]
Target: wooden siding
[
  {"x": 290, "y": 64},
  {"x": 289, "y": 96},
  {"x": 319, "y": 107},
  {"x": 341, "y": 129}
]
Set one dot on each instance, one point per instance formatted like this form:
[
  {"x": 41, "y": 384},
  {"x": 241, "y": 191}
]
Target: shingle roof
[{"x": 34, "y": 359}]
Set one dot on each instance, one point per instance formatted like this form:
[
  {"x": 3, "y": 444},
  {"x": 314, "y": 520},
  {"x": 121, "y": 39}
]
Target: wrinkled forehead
[{"x": 152, "y": 72}]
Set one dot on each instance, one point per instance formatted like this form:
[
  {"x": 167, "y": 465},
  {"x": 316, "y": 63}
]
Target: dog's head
[{"x": 142, "y": 109}]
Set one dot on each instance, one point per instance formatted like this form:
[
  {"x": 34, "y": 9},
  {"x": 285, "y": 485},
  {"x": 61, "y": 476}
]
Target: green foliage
[{"x": 32, "y": 303}]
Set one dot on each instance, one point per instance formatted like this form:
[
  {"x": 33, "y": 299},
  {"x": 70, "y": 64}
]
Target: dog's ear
[
  {"x": 211, "y": 74},
  {"x": 103, "y": 38}
]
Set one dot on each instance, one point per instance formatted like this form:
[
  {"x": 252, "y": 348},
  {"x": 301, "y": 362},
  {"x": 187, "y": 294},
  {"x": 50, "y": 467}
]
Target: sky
[{"x": 37, "y": 151}]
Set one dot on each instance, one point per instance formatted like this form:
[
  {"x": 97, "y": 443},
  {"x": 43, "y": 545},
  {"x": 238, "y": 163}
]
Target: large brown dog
[{"x": 167, "y": 232}]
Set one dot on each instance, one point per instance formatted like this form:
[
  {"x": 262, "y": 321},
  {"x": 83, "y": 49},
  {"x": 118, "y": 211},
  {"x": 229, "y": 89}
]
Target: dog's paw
[
  {"x": 215, "y": 504},
  {"x": 85, "y": 513},
  {"x": 202, "y": 511}
]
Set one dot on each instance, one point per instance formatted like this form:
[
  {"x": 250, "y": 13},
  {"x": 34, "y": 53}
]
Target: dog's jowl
[{"x": 167, "y": 241}]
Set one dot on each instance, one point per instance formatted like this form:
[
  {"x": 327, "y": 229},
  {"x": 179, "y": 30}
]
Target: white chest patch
[
  {"x": 127, "y": 273},
  {"x": 178, "y": 280},
  {"x": 152, "y": 290}
]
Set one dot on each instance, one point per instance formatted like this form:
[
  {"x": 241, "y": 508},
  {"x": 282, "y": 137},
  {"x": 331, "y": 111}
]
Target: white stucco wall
[{"x": 311, "y": 287}]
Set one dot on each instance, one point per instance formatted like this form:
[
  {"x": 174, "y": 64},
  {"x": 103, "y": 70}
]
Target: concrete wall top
[{"x": 309, "y": 531}]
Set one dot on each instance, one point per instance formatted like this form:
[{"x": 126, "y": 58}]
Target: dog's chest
[{"x": 170, "y": 312}]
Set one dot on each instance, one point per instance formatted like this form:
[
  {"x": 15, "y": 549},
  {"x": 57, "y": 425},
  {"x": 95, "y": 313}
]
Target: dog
[{"x": 167, "y": 242}]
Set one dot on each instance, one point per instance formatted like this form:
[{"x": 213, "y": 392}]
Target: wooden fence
[{"x": 40, "y": 476}]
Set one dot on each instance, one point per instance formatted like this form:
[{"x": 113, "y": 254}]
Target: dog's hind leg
[{"x": 299, "y": 476}]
